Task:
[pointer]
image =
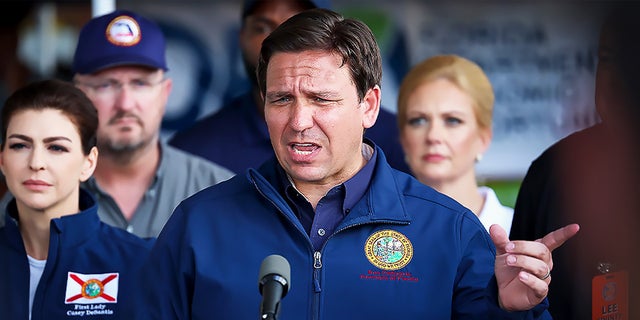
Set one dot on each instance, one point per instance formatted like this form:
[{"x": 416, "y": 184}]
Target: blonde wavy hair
[{"x": 463, "y": 73}]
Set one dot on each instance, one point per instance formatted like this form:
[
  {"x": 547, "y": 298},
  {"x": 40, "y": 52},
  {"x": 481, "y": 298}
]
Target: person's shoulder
[
  {"x": 241, "y": 187},
  {"x": 193, "y": 164},
  {"x": 174, "y": 155},
  {"x": 412, "y": 188},
  {"x": 125, "y": 239},
  {"x": 424, "y": 204},
  {"x": 584, "y": 136},
  {"x": 215, "y": 123},
  {"x": 565, "y": 148},
  {"x": 210, "y": 123},
  {"x": 234, "y": 191}
]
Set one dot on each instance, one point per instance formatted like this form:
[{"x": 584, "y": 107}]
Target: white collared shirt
[{"x": 493, "y": 212}]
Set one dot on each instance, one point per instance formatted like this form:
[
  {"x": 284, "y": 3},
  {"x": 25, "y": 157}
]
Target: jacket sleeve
[
  {"x": 538, "y": 312},
  {"x": 167, "y": 279}
]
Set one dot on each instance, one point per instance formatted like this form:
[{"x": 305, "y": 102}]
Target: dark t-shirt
[{"x": 585, "y": 178}]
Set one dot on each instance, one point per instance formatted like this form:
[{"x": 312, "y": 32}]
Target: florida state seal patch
[{"x": 388, "y": 250}]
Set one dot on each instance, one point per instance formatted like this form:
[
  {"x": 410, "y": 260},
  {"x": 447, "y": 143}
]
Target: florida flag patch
[{"x": 91, "y": 288}]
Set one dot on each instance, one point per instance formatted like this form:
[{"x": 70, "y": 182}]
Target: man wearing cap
[
  {"x": 236, "y": 136},
  {"x": 120, "y": 64}
]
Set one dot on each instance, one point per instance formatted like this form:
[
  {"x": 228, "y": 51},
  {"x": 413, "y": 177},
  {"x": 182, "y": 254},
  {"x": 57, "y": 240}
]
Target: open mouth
[{"x": 303, "y": 148}]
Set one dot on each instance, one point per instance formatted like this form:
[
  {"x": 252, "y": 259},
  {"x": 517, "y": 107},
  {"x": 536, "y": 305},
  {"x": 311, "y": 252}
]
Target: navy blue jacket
[
  {"x": 404, "y": 251},
  {"x": 92, "y": 269},
  {"x": 236, "y": 137}
]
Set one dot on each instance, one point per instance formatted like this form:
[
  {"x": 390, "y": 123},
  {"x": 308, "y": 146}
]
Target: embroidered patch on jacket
[
  {"x": 123, "y": 31},
  {"x": 91, "y": 288},
  {"x": 388, "y": 250}
]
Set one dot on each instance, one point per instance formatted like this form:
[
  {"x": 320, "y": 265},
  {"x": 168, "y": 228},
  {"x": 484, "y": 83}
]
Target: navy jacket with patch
[
  {"x": 84, "y": 253},
  {"x": 404, "y": 251}
]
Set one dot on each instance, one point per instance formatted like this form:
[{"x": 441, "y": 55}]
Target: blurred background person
[
  {"x": 57, "y": 259},
  {"x": 236, "y": 136},
  {"x": 445, "y": 107},
  {"x": 13, "y": 73},
  {"x": 120, "y": 64},
  {"x": 592, "y": 177}
]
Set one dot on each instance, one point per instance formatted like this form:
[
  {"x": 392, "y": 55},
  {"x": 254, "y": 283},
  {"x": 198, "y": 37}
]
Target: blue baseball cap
[
  {"x": 249, "y": 5},
  {"x": 119, "y": 38}
]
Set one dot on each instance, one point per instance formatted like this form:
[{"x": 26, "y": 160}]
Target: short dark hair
[
  {"x": 57, "y": 95},
  {"x": 249, "y": 6},
  {"x": 322, "y": 29}
]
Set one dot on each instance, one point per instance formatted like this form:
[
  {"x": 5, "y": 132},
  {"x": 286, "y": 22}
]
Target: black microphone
[{"x": 273, "y": 283}]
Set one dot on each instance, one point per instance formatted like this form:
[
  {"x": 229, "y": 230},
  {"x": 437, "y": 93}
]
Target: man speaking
[{"x": 364, "y": 241}]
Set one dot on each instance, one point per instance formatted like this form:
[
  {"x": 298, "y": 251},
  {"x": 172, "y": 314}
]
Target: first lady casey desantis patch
[
  {"x": 388, "y": 250},
  {"x": 91, "y": 288}
]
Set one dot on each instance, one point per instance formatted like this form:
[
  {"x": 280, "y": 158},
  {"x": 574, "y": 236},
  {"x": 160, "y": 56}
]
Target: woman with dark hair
[{"x": 56, "y": 258}]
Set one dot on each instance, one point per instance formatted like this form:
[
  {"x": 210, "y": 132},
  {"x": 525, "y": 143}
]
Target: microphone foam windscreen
[{"x": 275, "y": 264}]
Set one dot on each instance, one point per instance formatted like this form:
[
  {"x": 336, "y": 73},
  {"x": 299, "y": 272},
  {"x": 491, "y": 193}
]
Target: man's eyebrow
[
  {"x": 324, "y": 93},
  {"x": 276, "y": 94}
]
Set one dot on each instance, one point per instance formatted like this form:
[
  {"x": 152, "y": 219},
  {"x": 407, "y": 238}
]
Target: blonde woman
[{"x": 445, "y": 107}]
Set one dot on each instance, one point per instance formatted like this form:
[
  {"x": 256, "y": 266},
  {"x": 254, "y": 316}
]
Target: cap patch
[{"x": 123, "y": 31}]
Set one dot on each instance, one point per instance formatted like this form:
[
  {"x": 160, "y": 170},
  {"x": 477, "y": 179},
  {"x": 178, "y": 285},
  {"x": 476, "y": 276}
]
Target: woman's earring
[{"x": 478, "y": 157}]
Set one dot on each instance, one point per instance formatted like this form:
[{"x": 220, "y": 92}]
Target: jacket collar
[
  {"x": 383, "y": 201},
  {"x": 75, "y": 228}
]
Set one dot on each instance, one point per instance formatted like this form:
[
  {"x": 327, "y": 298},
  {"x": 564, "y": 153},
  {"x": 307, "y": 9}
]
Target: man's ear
[{"x": 371, "y": 105}]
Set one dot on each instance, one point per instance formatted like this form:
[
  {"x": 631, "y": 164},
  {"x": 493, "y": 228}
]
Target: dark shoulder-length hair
[
  {"x": 57, "y": 95},
  {"x": 325, "y": 30}
]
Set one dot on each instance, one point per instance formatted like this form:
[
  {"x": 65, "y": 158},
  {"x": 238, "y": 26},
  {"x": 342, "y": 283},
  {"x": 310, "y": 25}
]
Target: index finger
[{"x": 556, "y": 238}]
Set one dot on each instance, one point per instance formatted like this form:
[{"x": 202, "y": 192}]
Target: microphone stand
[{"x": 276, "y": 288}]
